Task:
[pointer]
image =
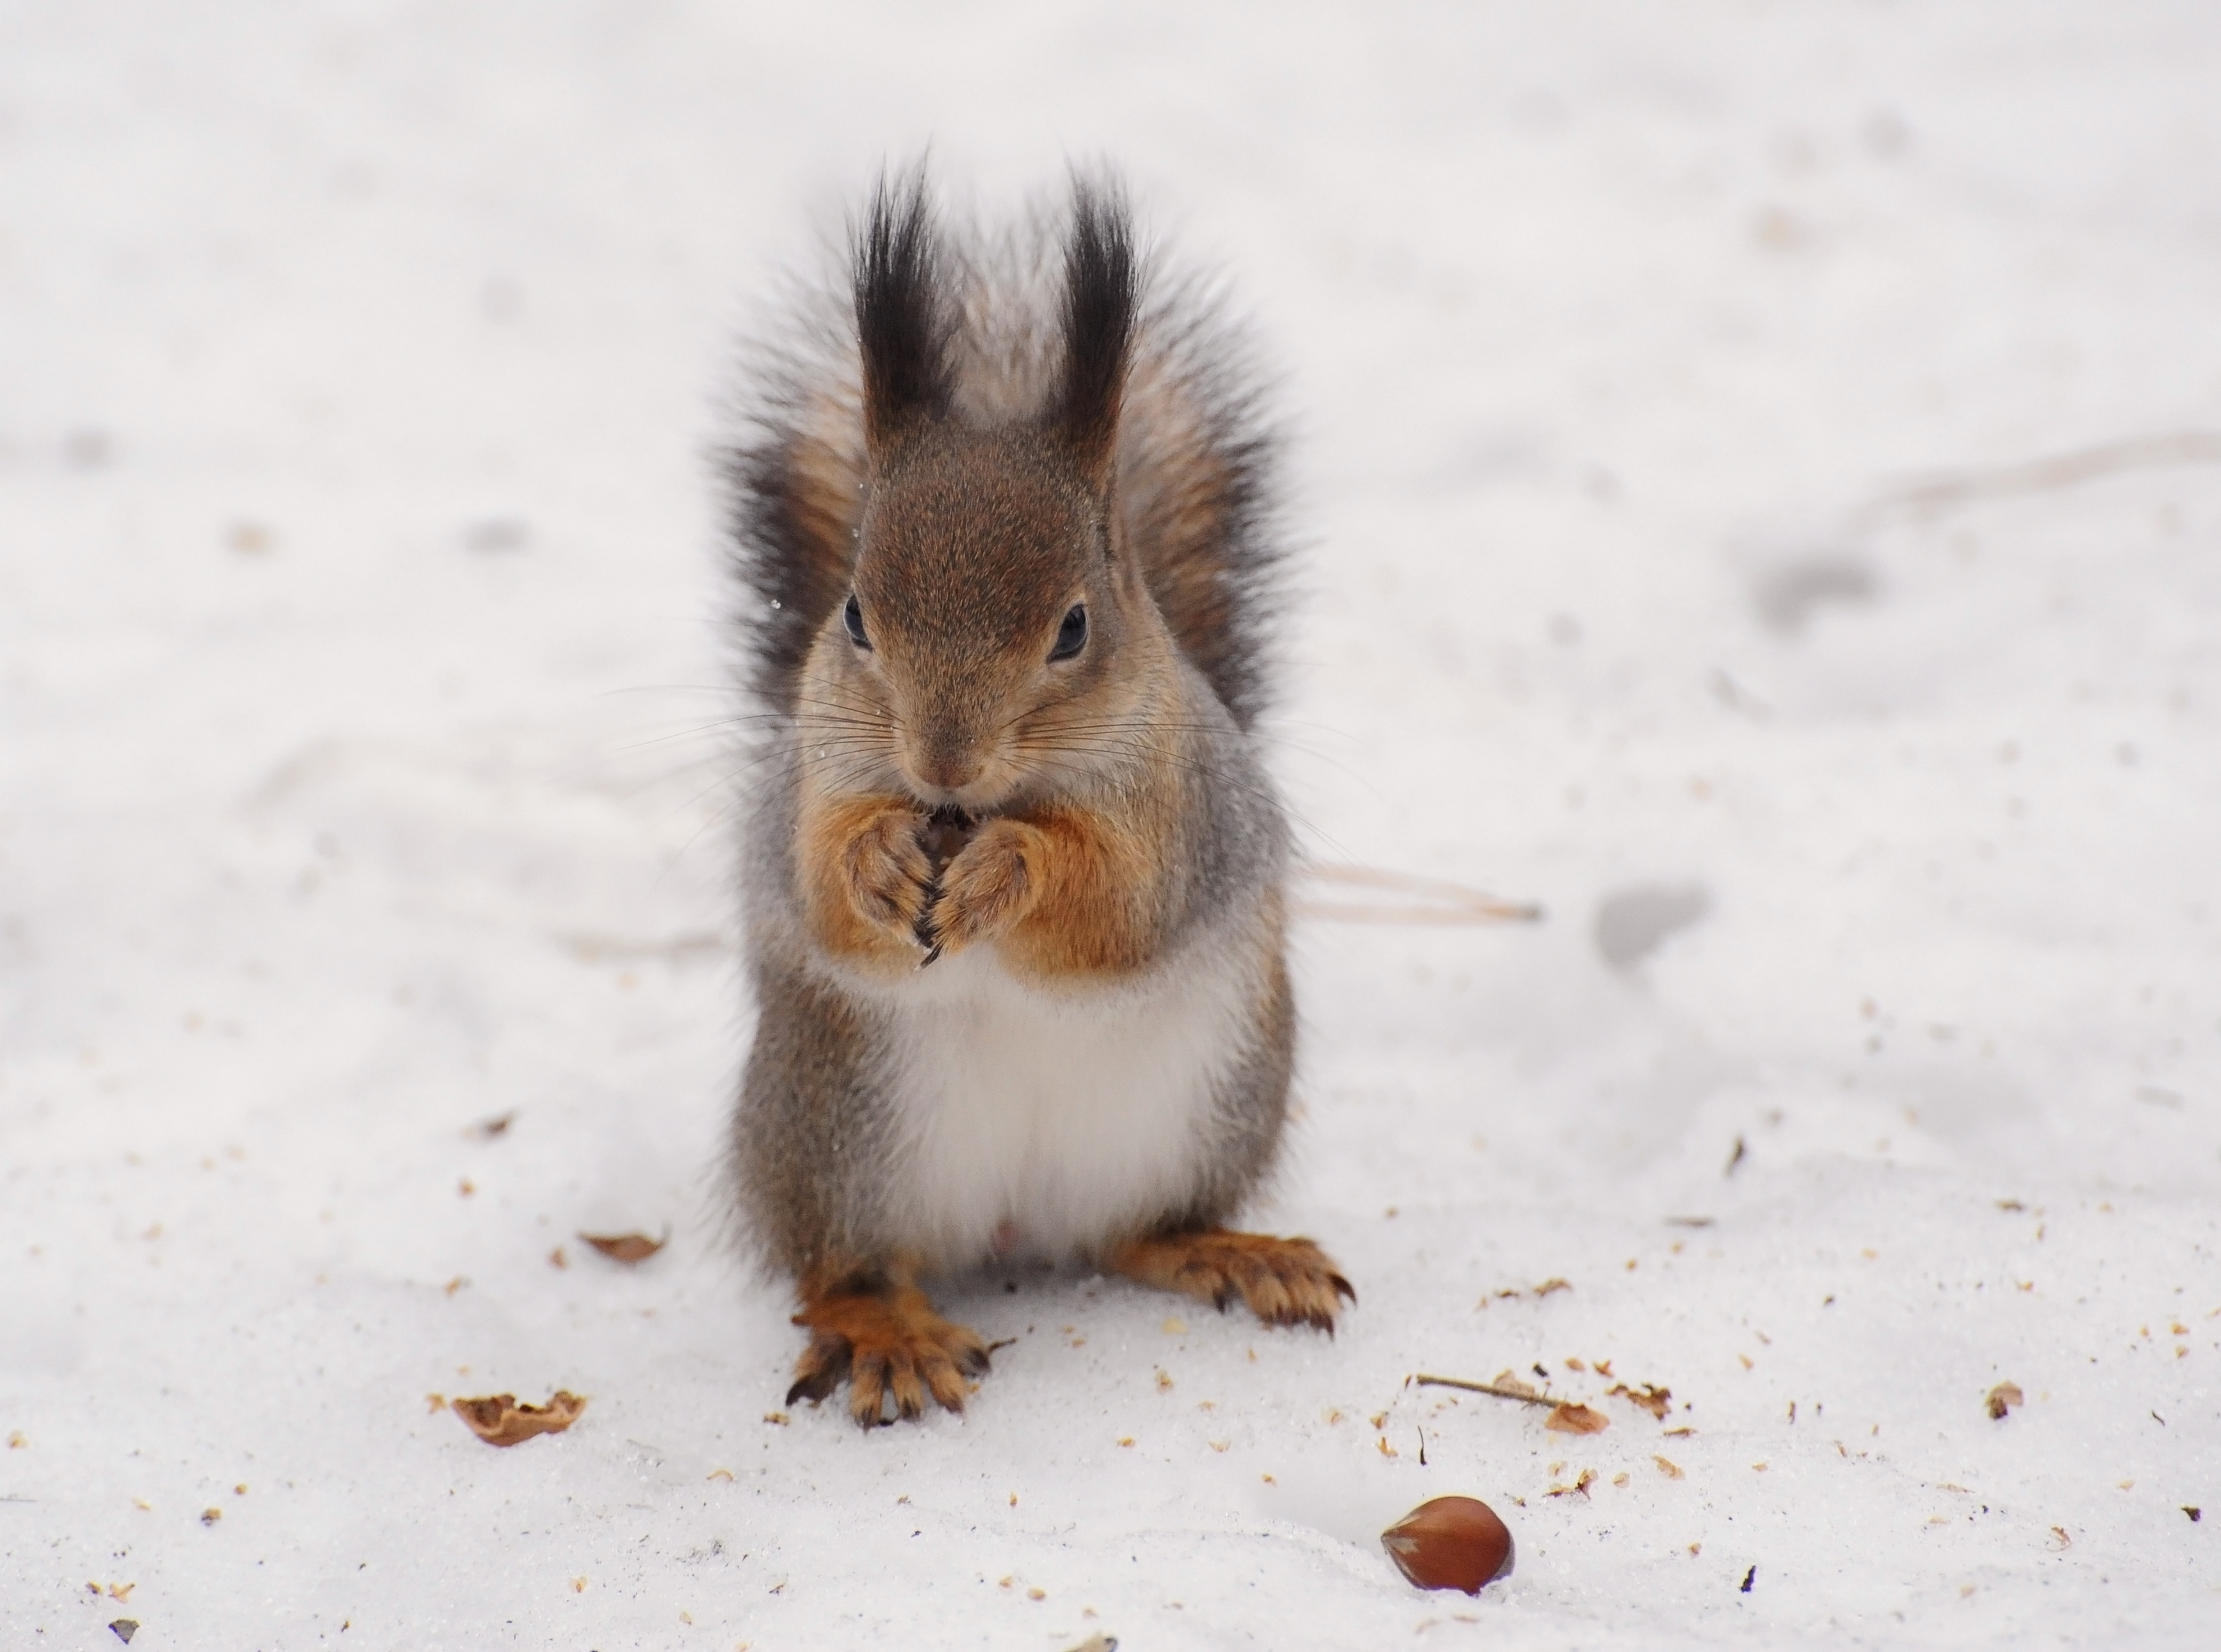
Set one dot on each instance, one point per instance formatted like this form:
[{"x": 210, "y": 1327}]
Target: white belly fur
[{"x": 1043, "y": 1124}]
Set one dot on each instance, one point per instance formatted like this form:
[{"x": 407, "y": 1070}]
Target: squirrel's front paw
[
  {"x": 989, "y": 886},
  {"x": 888, "y": 873}
]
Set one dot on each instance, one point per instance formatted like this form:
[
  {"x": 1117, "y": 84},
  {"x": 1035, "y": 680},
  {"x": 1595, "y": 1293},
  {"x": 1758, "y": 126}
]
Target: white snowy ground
[{"x": 358, "y": 586}]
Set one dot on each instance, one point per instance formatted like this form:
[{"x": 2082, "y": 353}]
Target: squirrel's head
[{"x": 994, "y": 629}]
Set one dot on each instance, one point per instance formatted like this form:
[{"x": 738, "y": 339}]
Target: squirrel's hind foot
[
  {"x": 884, "y": 1338},
  {"x": 1285, "y": 1281}
]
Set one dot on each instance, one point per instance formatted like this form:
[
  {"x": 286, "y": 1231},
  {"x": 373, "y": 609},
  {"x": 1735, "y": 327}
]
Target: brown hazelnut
[{"x": 1450, "y": 1543}]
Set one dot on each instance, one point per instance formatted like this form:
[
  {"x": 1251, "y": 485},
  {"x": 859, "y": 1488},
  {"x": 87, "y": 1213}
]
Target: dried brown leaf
[
  {"x": 1566, "y": 1417},
  {"x": 498, "y": 1419},
  {"x": 1670, "y": 1470},
  {"x": 1587, "y": 1479},
  {"x": 626, "y": 1247}
]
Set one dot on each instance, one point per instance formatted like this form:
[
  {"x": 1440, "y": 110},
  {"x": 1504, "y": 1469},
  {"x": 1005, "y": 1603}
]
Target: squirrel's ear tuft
[
  {"x": 1101, "y": 294},
  {"x": 901, "y": 316}
]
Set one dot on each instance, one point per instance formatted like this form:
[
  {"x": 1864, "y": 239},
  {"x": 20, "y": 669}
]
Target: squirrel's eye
[
  {"x": 852, "y": 617},
  {"x": 1071, "y": 635}
]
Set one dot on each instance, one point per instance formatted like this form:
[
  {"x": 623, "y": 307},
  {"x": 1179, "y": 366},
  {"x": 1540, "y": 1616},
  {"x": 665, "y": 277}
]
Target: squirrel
[{"x": 1013, "y": 882}]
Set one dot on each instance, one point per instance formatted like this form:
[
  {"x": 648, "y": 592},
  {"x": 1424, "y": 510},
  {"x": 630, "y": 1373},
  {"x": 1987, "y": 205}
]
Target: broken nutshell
[
  {"x": 1566, "y": 1417},
  {"x": 625, "y": 1247},
  {"x": 1450, "y": 1543},
  {"x": 498, "y": 1419}
]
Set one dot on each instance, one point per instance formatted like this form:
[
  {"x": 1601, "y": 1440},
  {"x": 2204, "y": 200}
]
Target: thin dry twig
[
  {"x": 1946, "y": 488},
  {"x": 1524, "y": 1396},
  {"x": 1437, "y": 901}
]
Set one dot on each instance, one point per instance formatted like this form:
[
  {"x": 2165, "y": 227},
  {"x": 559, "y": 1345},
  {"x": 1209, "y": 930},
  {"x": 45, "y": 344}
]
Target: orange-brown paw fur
[
  {"x": 888, "y": 873},
  {"x": 1285, "y": 1281},
  {"x": 991, "y": 886},
  {"x": 886, "y": 1340}
]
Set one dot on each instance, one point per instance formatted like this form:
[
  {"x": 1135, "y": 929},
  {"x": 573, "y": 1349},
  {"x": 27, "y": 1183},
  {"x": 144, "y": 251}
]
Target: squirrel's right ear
[
  {"x": 1101, "y": 296},
  {"x": 902, "y": 317}
]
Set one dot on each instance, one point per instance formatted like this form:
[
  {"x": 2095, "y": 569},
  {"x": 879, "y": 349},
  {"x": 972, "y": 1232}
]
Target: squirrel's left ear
[
  {"x": 902, "y": 314},
  {"x": 1101, "y": 294}
]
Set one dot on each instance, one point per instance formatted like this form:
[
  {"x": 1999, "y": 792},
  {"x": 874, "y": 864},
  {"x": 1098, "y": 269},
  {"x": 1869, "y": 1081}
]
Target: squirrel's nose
[{"x": 950, "y": 764}]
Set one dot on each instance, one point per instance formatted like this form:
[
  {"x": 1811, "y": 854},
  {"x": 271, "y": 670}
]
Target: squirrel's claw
[{"x": 821, "y": 1368}]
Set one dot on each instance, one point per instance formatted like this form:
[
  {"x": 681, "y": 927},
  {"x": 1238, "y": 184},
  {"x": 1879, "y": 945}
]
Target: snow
[{"x": 363, "y": 779}]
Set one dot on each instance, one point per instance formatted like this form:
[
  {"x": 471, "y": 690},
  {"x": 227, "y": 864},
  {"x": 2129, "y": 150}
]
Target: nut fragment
[
  {"x": 1450, "y": 1542},
  {"x": 1650, "y": 1397},
  {"x": 1569, "y": 1418},
  {"x": 625, "y": 1247},
  {"x": 499, "y": 1420}
]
